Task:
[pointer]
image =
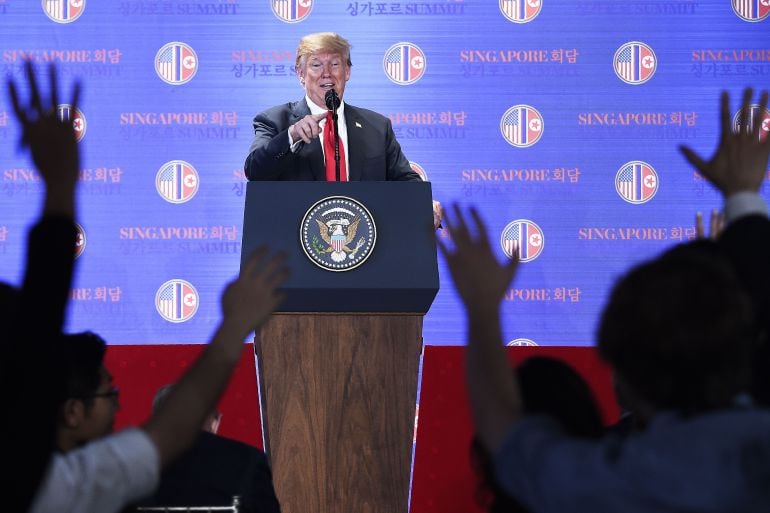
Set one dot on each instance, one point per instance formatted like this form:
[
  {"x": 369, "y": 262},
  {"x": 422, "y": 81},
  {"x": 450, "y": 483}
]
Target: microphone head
[{"x": 331, "y": 99}]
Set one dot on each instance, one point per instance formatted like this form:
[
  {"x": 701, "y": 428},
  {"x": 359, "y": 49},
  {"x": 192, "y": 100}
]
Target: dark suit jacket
[
  {"x": 373, "y": 152},
  {"x": 747, "y": 244},
  {"x": 212, "y": 471}
]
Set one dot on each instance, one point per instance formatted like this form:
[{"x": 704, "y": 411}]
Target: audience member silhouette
[
  {"x": 746, "y": 236},
  {"x": 213, "y": 471},
  {"x": 678, "y": 331},
  {"x": 89, "y": 398},
  {"x": 548, "y": 387},
  {"x": 33, "y": 315},
  {"x": 106, "y": 474}
]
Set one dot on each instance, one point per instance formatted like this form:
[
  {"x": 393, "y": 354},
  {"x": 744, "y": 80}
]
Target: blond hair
[{"x": 321, "y": 42}]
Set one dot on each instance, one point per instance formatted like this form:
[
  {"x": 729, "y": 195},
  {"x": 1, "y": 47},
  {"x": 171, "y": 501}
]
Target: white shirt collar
[{"x": 315, "y": 109}]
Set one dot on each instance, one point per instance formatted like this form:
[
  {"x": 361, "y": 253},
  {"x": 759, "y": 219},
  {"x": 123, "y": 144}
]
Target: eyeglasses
[{"x": 113, "y": 393}]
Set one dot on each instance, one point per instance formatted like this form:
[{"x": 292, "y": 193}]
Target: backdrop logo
[
  {"x": 524, "y": 236},
  {"x": 291, "y": 11},
  {"x": 176, "y": 301},
  {"x": 520, "y": 11},
  {"x": 176, "y": 63},
  {"x": 635, "y": 63},
  {"x": 521, "y": 342},
  {"x": 522, "y": 126},
  {"x": 177, "y": 181},
  {"x": 752, "y": 10},
  {"x": 404, "y": 63},
  {"x": 755, "y": 112},
  {"x": 64, "y": 11},
  {"x": 338, "y": 233},
  {"x": 67, "y": 113},
  {"x": 80, "y": 240},
  {"x": 417, "y": 168},
  {"x": 636, "y": 182}
]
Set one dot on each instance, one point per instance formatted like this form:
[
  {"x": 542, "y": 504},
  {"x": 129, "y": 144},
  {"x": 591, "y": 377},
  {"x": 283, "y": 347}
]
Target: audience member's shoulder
[
  {"x": 755, "y": 224},
  {"x": 221, "y": 443}
]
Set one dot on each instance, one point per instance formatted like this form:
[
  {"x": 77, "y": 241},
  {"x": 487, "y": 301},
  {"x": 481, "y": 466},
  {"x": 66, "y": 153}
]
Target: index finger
[
  {"x": 318, "y": 117},
  {"x": 699, "y": 232}
]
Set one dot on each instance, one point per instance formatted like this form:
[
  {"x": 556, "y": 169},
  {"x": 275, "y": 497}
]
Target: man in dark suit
[
  {"x": 294, "y": 141},
  {"x": 214, "y": 470}
]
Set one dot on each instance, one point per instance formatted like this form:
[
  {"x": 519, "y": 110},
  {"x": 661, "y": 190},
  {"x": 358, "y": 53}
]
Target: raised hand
[
  {"x": 252, "y": 297},
  {"x": 51, "y": 141},
  {"x": 438, "y": 214},
  {"x": 716, "y": 225},
  {"x": 740, "y": 161},
  {"x": 480, "y": 279}
]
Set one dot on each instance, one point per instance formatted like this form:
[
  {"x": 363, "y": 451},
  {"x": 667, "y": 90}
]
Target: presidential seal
[{"x": 338, "y": 233}]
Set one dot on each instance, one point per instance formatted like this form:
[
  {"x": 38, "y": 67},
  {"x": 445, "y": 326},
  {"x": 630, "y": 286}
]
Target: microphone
[{"x": 332, "y": 102}]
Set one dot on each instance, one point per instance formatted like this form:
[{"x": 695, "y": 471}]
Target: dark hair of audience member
[
  {"x": 9, "y": 298},
  {"x": 678, "y": 330},
  {"x": 548, "y": 387},
  {"x": 82, "y": 358}
]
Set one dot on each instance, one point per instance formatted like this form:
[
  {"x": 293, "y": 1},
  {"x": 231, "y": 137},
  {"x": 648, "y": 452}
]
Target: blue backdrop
[{"x": 559, "y": 119}]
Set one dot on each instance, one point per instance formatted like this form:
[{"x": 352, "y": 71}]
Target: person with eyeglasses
[
  {"x": 89, "y": 399},
  {"x": 107, "y": 473},
  {"x": 101, "y": 475}
]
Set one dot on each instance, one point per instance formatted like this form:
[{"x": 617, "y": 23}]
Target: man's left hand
[{"x": 438, "y": 214}]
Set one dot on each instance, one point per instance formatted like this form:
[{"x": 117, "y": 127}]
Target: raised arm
[
  {"x": 481, "y": 282},
  {"x": 51, "y": 248},
  {"x": 738, "y": 168},
  {"x": 36, "y": 315},
  {"x": 246, "y": 304}
]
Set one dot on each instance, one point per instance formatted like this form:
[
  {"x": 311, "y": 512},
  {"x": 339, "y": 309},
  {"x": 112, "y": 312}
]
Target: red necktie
[{"x": 331, "y": 173}]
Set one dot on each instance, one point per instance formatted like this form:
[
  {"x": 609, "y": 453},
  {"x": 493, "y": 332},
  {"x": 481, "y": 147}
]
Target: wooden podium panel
[{"x": 338, "y": 398}]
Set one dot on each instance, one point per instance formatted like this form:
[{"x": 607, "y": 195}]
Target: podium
[{"x": 338, "y": 362}]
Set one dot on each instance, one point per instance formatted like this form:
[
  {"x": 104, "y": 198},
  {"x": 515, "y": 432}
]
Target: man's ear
[{"x": 73, "y": 412}]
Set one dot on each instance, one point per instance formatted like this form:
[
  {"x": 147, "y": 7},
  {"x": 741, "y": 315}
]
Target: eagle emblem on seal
[{"x": 338, "y": 233}]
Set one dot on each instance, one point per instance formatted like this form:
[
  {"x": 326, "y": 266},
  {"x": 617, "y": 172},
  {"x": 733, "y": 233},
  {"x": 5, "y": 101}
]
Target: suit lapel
[
  {"x": 311, "y": 153},
  {"x": 356, "y": 133}
]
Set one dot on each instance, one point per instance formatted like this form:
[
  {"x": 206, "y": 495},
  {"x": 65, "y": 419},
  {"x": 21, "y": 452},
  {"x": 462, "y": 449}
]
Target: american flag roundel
[
  {"x": 404, "y": 63},
  {"x": 635, "y": 63},
  {"x": 521, "y": 11},
  {"x": 522, "y": 126},
  {"x": 176, "y": 301},
  {"x": 176, "y": 63},
  {"x": 177, "y": 181},
  {"x": 524, "y": 236},
  {"x": 636, "y": 182},
  {"x": 64, "y": 11}
]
